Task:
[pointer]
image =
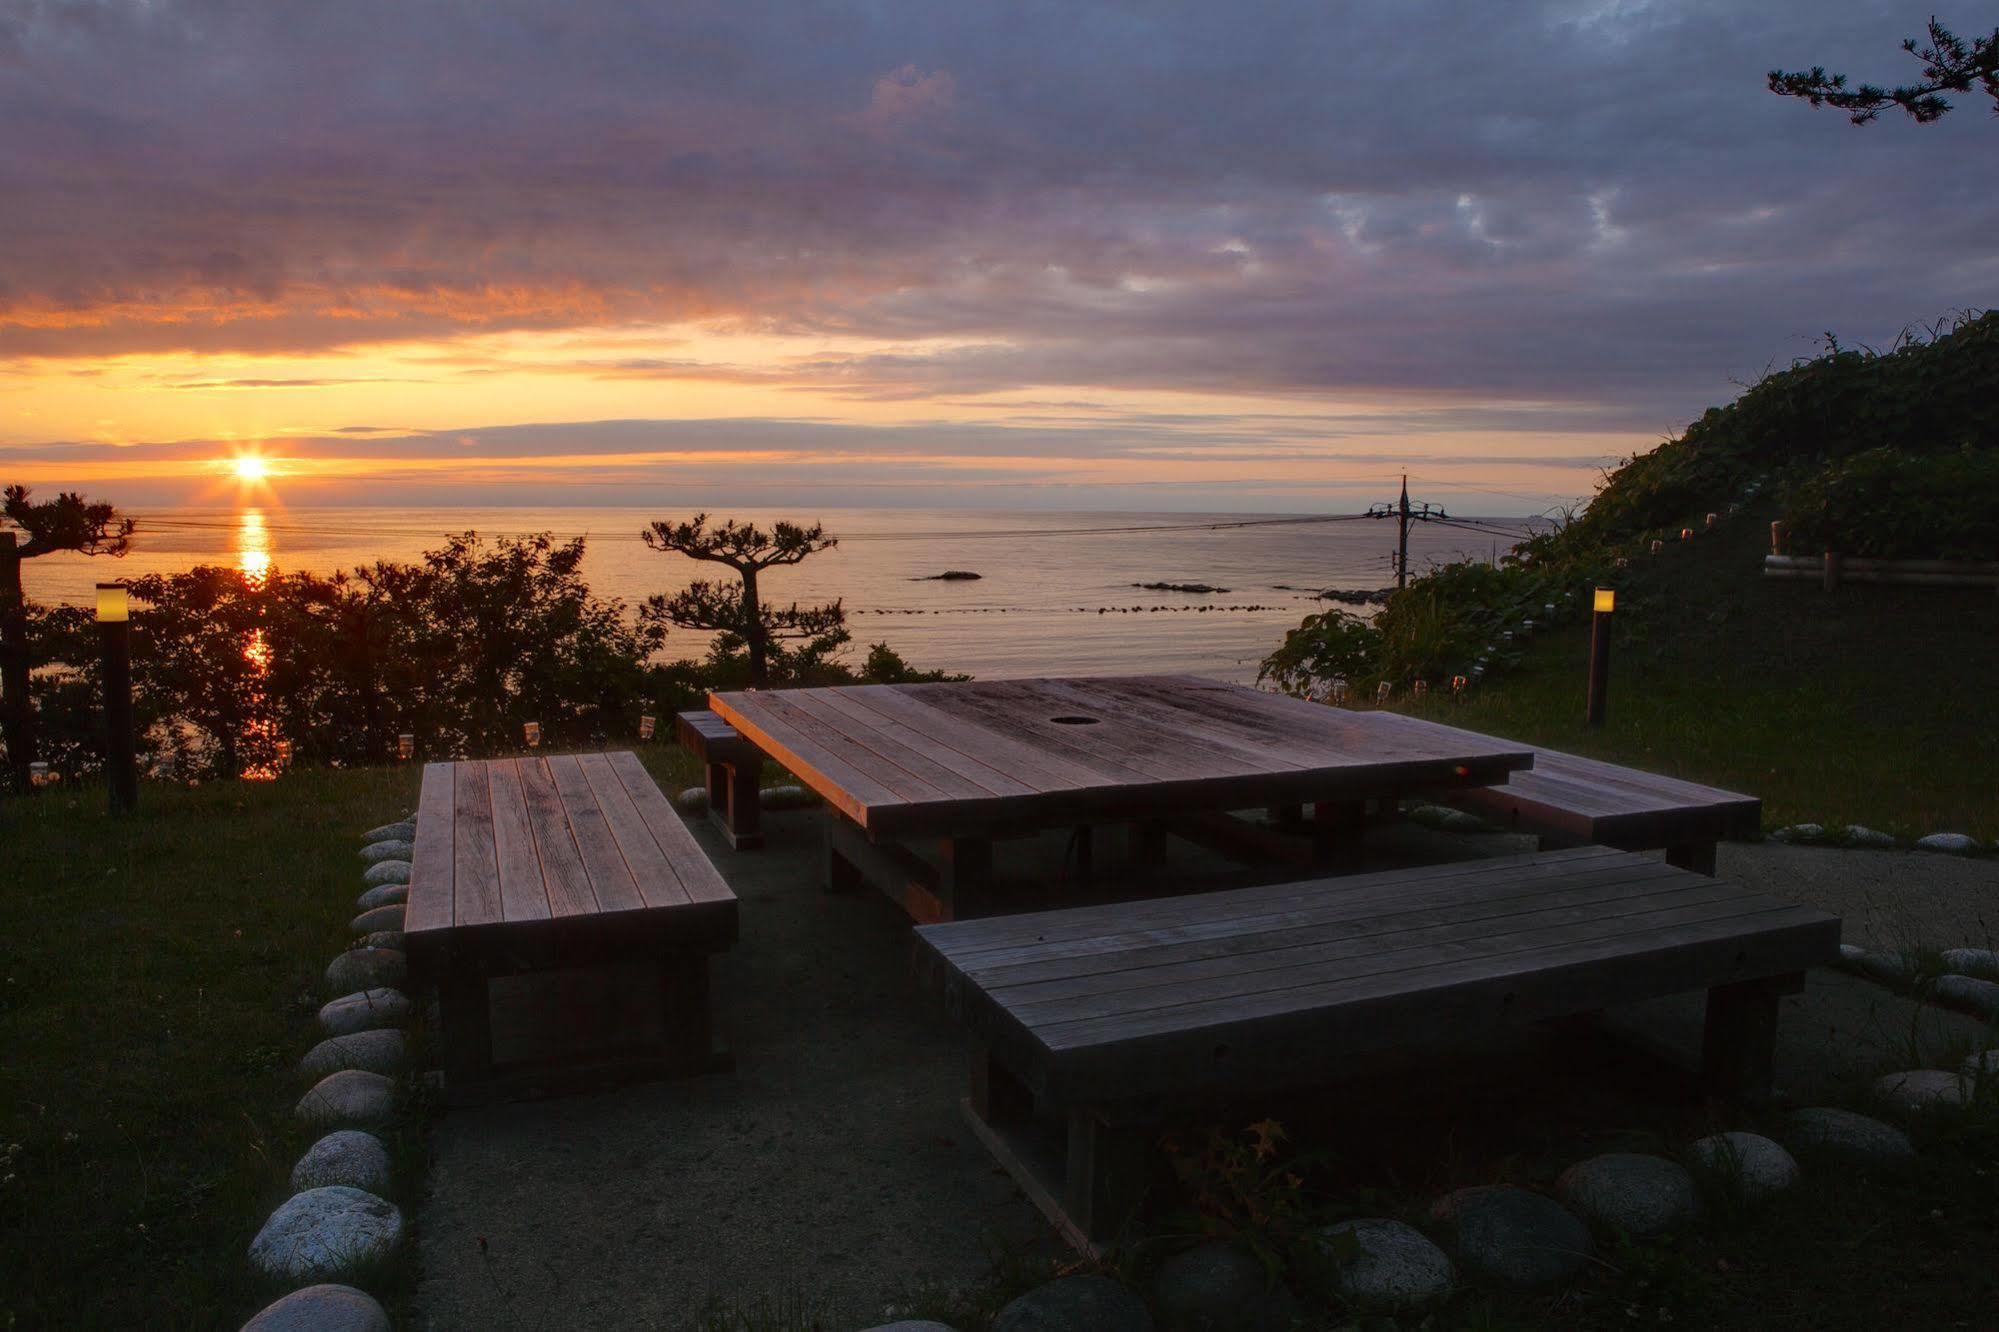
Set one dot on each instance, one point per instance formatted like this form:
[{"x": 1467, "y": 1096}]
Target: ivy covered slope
[{"x": 1891, "y": 455}]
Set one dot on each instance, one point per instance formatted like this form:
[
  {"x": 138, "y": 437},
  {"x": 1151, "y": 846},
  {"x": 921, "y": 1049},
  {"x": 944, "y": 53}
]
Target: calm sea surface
[{"x": 1054, "y": 595}]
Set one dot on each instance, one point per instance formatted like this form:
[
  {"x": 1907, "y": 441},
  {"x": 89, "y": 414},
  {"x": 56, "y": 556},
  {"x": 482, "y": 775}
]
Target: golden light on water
[{"x": 253, "y": 546}]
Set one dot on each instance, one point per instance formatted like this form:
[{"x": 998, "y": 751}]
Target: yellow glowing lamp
[
  {"x": 405, "y": 745},
  {"x": 533, "y": 730},
  {"x": 114, "y": 604},
  {"x": 1605, "y": 601}
]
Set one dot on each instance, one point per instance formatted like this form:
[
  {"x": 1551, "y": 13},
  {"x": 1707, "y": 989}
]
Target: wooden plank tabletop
[
  {"x": 513, "y": 842},
  {"x": 1156, "y": 996},
  {"x": 956, "y": 758}
]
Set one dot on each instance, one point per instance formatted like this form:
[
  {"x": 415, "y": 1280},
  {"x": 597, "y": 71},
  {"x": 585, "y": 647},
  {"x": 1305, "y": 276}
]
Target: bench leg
[
  {"x": 1107, "y": 1167},
  {"x": 997, "y": 1095},
  {"x": 466, "y": 1008},
  {"x": 1086, "y": 851},
  {"x": 687, "y": 1014},
  {"x": 1337, "y": 826},
  {"x": 1695, "y": 856},
  {"x": 968, "y": 878},
  {"x": 1286, "y": 816},
  {"x": 1739, "y": 1041},
  {"x": 733, "y": 803}
]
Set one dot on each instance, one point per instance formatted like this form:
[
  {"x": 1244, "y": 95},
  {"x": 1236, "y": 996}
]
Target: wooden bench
[
  {"x": 1108, "y": 1015},
  {"x": 734, "y": 770},
  {"x": 1575, "y": 801},
  {"x": 573, "y": 872}
]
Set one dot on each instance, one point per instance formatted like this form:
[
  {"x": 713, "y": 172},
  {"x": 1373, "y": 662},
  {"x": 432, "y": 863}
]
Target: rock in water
[
  {"x": 1513, "y": 1238},
  {"x": 349, "y": 1098},
  {"x": 391, "y": 832},
  {"x": 364, "y": 1010},
  {"x": 1643, "y": 1196},
  {"x": 1950, "y": 844},
  {"x": 1392, "y": 1265},
  {"x": 1216, "y": 1287},
  {"x": 378, "y": 1051},
  {"x": 377, "y": 918},
  {"x": 377, "y": 852},
  {"x": 949, "y": 576},
  {"x": 383, "y": 894},
  {"x": 323, "y": 1308},
  {"x": 1843, "y": 1138},
  {"x": 694, "y": 800},
  {"x": 1749, "y": 1166},
  {"x": 365, "y": 969},
  {"x": 1075, "y": 1304},
  {"x": 346, "y": 1156},
  {"x": 325, "y": 1232},
  {"x": 386, "y": 871}
]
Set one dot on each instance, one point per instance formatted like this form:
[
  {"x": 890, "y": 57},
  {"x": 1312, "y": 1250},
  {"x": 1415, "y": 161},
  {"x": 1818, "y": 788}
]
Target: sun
[{"x": 249, "y": 467}]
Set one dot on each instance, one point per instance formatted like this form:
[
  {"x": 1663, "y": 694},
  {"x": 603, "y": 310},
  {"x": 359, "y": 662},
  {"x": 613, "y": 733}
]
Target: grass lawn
[
  {"x": 1873, "y": 705},
  {"x": 159, "y": 978}
]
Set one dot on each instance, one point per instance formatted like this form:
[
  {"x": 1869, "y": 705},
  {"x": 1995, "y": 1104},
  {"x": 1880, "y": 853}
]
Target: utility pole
[{"x": 1402, "y": 512}]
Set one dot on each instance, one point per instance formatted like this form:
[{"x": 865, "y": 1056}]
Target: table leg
[
  {"x": 1739, "y": 1041},
  {"x": 687, "y": 1013},
  {"x": 1086, "y": 851},
  {"x": 968, "y": 877},
  {"x": 1695, "y": 856},
  {"x": 996, "y": 1094},
  {"x": 1146, "y": 842},
  {"x": 1337, "y": 826},
  {"x": 733, "y": 802},
  {"x": 840, "y": 874}
]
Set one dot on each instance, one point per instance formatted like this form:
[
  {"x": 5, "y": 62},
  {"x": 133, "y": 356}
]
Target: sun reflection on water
[
  {"x": 253, "y": 546},
  {"x": 266, "y": 754}
]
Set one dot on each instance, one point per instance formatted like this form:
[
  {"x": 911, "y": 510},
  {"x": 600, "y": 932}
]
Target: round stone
[
  {"x": 1970, "y": 961},
  {"x": 694, "y": 800},
  {"x": 381, "y": 939},
  {"x": 351, "y": 1098},
  {"x": 386, "y": 871},
  {"x": 1890, "y": 969},
  {"x": 1510, "y": 1237},
  {"x": 911, "y": 1325},
  {"x": 1642, "y": 1196},
  {"x": 346, "y": 1156},
  {"x": 326, "y": 1232},
  {"x": 383, "y": 894},
  {"x": 1950, "y": 844},
  {"x": 1073, "y": 1304},
  {"x": 1843, "y": 1138},
  {"x": 1984, "y": 1064},
  {"x": 377, "y": 918},
  {"x": 365, "y": 969},
  {"x": 364, "y": 1010},
  {"x": 379, "y": 1051},
  {"x": 391, "y": 832},
  {"x": 1216, "y": 1287},
  {"x": 1921, "y": 1092},
  {"x": 1868, "y": 838},
  {"x": 1461, "y": 821},
  {"x": 1978, "y": 997},
  {"x": 1749, "y": 1166},
  {"x": 322, "y": 1308},
  {"x": 377, "y": 852},
  {"x": 1799, "y": 832},
  {"x": 1385, "y": 1263},
  {"x": 786, "y": 797}
]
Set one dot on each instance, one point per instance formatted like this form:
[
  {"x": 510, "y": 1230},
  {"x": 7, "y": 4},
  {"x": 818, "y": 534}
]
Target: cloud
[{"x": 1562, "y": 202}]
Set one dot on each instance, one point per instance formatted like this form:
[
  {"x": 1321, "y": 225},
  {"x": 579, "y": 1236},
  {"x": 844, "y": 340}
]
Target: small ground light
[
  {"x": 1713, "y": 518},
  {"x": 1420, "y": 688},
  {"x": 1602, "y": 602},
  {"x": 38, "y": 774},
  {"x": 405, "y": 745},
  {"x": 1382, "y": 691},
  {"x": 1339, "y": 691},
  {"x": 1457, "y": 684},
  {"x": 646, "y": 728},
  {"x": 114, "y": 628},
  {"x": 1657, "y": 545},
  {"x": 533, "y": 731},
  {"x": 1686, "y": 534}
]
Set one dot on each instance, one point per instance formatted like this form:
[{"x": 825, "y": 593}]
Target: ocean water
[{"x": 1054, "y": 596}]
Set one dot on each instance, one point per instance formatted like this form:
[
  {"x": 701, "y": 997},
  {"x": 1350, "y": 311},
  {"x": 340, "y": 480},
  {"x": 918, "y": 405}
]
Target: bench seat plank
[{"x": 1084, "y": 1011}]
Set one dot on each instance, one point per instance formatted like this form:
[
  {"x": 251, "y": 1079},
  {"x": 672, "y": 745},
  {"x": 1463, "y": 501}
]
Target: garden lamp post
[
  {"x": 114, "y": 628},
  {"x": 1604, "y": 602}
]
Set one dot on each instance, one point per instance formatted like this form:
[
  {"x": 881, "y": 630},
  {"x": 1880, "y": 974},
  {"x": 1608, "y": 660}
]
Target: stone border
[
  {"x": 1855, "y": 837},
  {"x": 338, "y": 1219}
]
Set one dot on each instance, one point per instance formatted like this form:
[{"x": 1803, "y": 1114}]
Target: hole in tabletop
[{"x": 1074, "y": 721}]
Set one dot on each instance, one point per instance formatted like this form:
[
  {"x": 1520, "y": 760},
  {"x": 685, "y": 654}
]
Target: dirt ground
[{"x": 832, "y": 1165}]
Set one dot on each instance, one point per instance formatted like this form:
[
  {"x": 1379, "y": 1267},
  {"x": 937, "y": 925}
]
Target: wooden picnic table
[
  {"x": 573, "y": 863},
  {"x": 963, "y": 764}
]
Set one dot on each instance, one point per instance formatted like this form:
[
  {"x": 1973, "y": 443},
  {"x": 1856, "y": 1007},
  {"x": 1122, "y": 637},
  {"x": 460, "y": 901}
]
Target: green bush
[{"x": 1888, "y": 504}]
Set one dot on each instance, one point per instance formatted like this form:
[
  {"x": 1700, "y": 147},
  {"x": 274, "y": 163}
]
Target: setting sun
[{"x": 249, "y": 467}]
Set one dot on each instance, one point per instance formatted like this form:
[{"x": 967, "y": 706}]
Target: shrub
[{"x": 1889, "y": 504}]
